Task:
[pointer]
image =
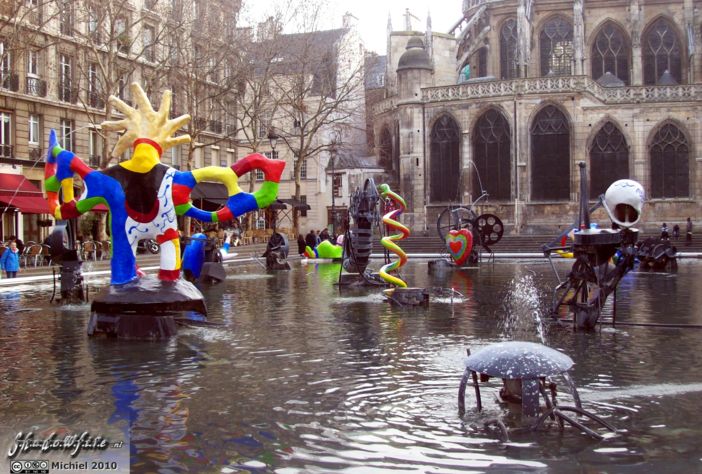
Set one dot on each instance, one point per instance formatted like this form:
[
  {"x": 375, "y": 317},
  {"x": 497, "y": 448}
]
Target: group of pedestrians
[
  {"x": 314, "y": 238},
  {"x": 665, "y": 233}
]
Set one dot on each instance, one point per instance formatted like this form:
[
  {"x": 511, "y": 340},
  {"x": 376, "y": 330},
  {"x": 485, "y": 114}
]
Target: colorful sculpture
[
  {"x": 389, "y": 241},
  {"x": 144, "y": 196},
  {"x": 459, "y": 244},
  {"x": 325, "y": 249}
]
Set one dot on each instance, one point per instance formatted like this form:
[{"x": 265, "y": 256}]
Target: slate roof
[{"x": 346, "y": 161}]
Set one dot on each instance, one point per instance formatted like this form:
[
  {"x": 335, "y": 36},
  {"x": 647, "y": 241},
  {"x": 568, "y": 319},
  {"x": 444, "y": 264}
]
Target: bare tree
[
  {"x": 202, "y": 71},
  {"x": 321, "y": 97},
  {"x": 307, "y": 85},
  {"x": 119, "y": 45}
]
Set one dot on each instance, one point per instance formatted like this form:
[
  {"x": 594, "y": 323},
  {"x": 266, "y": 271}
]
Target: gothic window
[
  {"x": 610, "y": 53},
  {"x": 508, "y": 50},
  {"x": 445, "y": 167},
  {"x": 556, "y": 46},
  {"x": 669, "y": 163},
  {"x": 482, "y": 62},
  {"x": 661, "y": 52},
  {"x": 550, "y": 156},
  {"x": 609, "y": 159},
  {"x": 491, "y": 154},
  {"x": 385, "y": 149}
]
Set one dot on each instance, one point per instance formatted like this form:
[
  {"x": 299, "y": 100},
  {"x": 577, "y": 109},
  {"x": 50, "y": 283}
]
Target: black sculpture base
[
  {"x": 212, "y": 272},
  {"x": 143, "y": 309},
  {"x": 408, "y": 296},
  {"x": 440, "y": 265},
  {"x": 360, "y": 279}
]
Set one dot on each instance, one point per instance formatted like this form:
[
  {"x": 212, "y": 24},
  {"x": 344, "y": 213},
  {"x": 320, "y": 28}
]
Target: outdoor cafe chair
[{"x": 89, "y": 250}]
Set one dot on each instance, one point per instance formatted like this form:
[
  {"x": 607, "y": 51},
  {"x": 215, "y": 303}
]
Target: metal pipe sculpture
[
  {"x": 61, "y": 243},
  {"x": 358, "y": 239},
  {"x": 363, "y": 209},
  {"x": 396, "y": 201},
  {"x": 144, "y": 197},
  {"x": 526, "y": 369},
  {"x": 593, "y": 278}
]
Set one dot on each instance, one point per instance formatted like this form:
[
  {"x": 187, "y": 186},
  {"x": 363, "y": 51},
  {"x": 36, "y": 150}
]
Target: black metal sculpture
[
  {"x": 657, "y": 255},
  {"x": 358, "y": 239},
  {"x": 526, "y": 370},
  {"x": 602, "y": 256},
  {"x": 62, "y": 249},
  {"x": 276, "y": 253}
]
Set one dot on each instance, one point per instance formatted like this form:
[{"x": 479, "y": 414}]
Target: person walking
[
  {"x": 311, "y": 239},
  {"x": 688, "y": 232},
  {"x": 9, "y": 261},
  {"x": 301, "y": 243},
  {"x": 324, "y": 235},
  {"x": 676, "y": 232}
]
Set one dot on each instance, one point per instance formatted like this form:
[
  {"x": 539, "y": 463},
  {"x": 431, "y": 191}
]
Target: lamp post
[
  {"x": 332, "y": 151},
  {"x": 273, "y": 139}
]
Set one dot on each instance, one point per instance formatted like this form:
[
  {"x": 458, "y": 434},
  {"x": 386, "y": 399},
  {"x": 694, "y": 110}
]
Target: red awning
[{"x": 17, "y": 191}]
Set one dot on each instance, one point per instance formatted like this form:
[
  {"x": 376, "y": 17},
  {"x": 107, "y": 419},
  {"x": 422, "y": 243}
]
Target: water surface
[{"x": 304, "y": 378}]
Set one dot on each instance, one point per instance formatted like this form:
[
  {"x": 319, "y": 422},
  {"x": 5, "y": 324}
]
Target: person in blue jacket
[{"x": 9, "y": 261}]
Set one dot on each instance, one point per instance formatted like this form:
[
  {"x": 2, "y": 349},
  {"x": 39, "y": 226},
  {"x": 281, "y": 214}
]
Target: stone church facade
[{"x": 518, "y": 92}]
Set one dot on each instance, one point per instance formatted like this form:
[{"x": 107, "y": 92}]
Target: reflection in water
[{"x": 305, "y": 377}]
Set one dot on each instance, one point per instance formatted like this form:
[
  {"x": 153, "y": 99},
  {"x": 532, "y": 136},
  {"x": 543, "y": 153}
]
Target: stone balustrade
[{"x": 560, "y": 84}]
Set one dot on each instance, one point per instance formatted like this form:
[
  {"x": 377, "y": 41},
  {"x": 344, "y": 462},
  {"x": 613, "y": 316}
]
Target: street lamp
[
  {"x": 332, "y": 151},
  {"x": 272, "y": 138}
]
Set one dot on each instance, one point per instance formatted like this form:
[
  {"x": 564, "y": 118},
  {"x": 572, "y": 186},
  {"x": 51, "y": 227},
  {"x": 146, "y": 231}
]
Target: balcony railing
[
  {"x": 553, "y": 85},
  {"x": 9, "y": 81},
  {"x": 6, "y": 151},
  {"x": 36, "y": 86}
]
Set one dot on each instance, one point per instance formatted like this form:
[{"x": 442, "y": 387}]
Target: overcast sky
[{"x": 373, "y": 16}]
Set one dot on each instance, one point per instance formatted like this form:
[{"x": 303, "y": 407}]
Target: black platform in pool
[{"x": 143, "y": 309}]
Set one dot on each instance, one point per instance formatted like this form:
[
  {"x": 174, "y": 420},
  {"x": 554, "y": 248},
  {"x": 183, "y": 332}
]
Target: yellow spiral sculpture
[{"x": 389, "y": 241}]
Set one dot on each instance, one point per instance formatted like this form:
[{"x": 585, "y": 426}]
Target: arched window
[
  {"x": 550, "y": 156},
  {"x": 670, "y": 163},
  {"x": 445, "y": 167},
  {"x": 508, "y": 50},
  {"x": 610, "y": 53},
  {"x": 661, "y": 52},
  {"x": 556, "y": 46},
  {"x": 385, "y": 149},
  {"x": 609, "y": 159},
  {"x": 491, "y": 155}
]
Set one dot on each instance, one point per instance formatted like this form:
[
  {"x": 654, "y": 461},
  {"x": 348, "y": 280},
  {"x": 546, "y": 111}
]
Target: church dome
[{"x": 415, "y": 57}]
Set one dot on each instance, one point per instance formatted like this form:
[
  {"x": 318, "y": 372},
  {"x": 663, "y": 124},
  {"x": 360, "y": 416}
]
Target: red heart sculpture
[{"x": 459, "y": 244}]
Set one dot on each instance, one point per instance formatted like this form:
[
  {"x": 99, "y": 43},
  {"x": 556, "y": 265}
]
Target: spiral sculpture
[{"x": 389, "y": 241}]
